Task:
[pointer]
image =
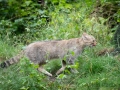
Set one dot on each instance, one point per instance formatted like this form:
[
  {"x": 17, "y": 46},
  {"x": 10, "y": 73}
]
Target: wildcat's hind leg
[
  {"x": 62, "y": 68},
  {"x": 41, "y": 69}
]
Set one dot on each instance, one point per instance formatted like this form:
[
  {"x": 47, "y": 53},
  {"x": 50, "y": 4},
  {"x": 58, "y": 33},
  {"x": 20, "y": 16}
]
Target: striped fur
[{"x": 12, "y": 60}]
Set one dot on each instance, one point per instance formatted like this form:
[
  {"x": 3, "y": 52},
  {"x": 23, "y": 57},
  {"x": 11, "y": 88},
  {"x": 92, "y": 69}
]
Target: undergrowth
[
  {"x": 67, "y": 21},
  {"x": 95, "y": 73}
]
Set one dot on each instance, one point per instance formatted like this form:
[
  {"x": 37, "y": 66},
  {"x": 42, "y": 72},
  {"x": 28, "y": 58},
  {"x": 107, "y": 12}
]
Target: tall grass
[{"x": 7, "y": 51}]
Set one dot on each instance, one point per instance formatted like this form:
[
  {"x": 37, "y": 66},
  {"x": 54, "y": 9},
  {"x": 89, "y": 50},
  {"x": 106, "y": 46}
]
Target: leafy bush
[{"x": 22, "y": 20}]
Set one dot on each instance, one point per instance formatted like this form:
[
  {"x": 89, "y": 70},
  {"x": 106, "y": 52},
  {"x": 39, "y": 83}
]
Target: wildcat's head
[{"x": 88, "y": 40}]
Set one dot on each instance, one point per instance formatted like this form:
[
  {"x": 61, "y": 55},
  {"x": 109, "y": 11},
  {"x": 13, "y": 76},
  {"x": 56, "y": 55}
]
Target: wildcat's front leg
[{"x": 70, "y": 61}]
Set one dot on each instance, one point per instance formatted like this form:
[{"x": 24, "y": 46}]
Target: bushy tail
[{"x": 12, "y": 60}]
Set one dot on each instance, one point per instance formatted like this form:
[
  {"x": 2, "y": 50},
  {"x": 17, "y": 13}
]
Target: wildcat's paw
[{"x": 74, "y": 71}]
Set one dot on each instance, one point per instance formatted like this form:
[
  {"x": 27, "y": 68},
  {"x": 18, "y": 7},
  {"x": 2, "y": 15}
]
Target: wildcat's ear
[
  {"x": 84, "y": 36},
  {"x": 84, "y": 33}
]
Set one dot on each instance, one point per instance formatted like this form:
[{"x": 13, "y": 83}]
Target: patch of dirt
[{"x": 105, "y": 51}]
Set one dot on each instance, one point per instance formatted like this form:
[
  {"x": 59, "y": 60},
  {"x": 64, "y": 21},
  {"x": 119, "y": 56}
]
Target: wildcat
[{"x": 42, "y": 51}]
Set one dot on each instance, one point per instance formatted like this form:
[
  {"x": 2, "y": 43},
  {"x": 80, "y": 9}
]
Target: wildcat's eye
[{"x": 93, "y": 40}]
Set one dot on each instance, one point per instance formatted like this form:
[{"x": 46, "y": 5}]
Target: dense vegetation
[{"x": 26, "y": 21}]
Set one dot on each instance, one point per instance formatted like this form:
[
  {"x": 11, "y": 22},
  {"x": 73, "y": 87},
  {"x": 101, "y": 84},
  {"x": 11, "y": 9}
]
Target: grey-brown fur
[{"x": 40, "y": 52}]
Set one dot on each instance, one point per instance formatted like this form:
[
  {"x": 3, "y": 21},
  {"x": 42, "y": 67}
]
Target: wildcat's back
[{"x": 39, "y": 52}]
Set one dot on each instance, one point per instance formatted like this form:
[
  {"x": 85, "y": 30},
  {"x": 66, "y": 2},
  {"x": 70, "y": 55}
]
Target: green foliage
[
  {"x": 7, "y": 51},
  {"x": 116, "y": 39},
  {"x": 31, "y": 21},
  {"x": 23, "y": 76},
  {"x": 101, "y": 73},
  {"x": 22, "y": 19},
  {"x": 25, "y": 21},
  {"x": 118, "y": 17}
]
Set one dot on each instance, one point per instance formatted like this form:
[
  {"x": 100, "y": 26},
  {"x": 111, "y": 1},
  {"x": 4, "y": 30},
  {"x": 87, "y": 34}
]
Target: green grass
[
  {"x": 7, "y": 51},
  {"x": 95, "y": 73}
]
